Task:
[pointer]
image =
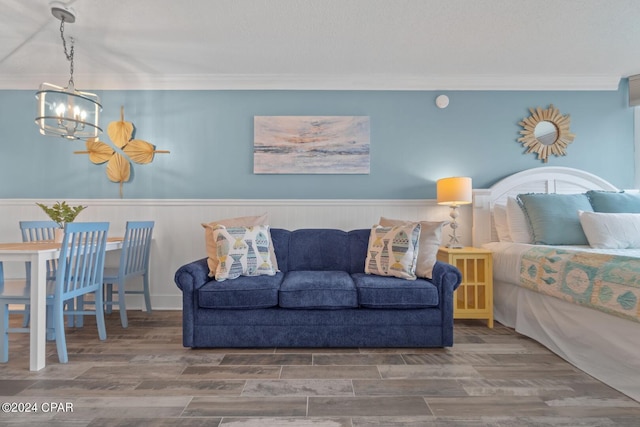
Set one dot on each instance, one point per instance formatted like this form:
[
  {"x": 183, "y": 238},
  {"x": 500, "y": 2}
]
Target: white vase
[{"x": 58, "y": 235}]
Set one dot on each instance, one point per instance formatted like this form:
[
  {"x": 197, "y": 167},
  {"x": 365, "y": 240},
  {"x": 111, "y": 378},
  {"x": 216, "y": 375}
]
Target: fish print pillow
[
  {"x": 242, "y": 251},
  {"x": 393, "y": 251}
]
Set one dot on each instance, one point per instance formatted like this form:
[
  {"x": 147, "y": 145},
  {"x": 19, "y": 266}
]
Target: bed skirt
[{"x": 607, "y": 348}]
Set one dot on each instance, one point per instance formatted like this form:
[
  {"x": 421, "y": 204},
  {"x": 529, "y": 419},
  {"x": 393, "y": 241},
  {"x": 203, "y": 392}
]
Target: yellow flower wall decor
[{"x": 118, "y": 167}]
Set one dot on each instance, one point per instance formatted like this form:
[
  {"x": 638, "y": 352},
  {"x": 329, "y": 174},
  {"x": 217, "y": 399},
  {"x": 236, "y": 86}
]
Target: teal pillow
[
  {"x": 614, "y": 201},
  {"x": 554, "y": 218}
]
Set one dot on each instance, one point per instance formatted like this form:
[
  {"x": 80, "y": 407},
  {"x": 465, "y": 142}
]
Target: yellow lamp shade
[{"x": 454, "y": 191}]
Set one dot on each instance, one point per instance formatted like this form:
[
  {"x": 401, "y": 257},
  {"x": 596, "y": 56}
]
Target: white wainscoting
[{"x": 179, "y": 238}]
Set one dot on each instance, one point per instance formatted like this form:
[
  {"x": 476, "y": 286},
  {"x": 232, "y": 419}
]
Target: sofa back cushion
[
  {"x": 280, "y": 241},
  {"x": 318, "y": 249},
  {"x": 358, "y": 243}
]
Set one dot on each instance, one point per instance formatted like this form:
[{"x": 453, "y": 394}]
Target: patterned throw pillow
[
  {"x": 393, "y": 251},
  {"x": 242, "y": 251},
  {"x": 428, "y": 244},
  {"x": 245, "y": 221}
]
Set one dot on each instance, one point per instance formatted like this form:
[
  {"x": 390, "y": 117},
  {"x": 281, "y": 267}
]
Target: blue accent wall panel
[{"x": 413, "y": 143}]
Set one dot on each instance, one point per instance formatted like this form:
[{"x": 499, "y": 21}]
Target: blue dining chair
[
  {"x": 80, "y": 272},
  {"x": 24, "y": 311},
  {"x": 36, "y": 231},
  {"x": 134, "y": 262}
]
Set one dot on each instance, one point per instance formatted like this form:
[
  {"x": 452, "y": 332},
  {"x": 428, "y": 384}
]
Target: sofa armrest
[
  {"x": 192, "y": 276},
  {"x": 189, "y": 278},
  {"x": 446, "y": 276}
]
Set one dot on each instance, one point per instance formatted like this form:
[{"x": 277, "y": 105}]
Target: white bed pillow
[
  {"x": 517, "y": 222},
  {"x": 611, "y": 230},
  {"x": 500, "y": 222}
]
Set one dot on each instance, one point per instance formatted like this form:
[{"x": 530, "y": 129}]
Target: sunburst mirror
[{"x": 546, "y": 132}]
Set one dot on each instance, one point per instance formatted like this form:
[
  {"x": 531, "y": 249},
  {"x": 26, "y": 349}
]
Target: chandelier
[{"x": 65, "y": 111}]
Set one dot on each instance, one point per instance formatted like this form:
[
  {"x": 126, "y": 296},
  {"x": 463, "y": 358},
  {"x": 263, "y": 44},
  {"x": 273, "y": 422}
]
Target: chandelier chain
[{"x": 67, "y": 53}]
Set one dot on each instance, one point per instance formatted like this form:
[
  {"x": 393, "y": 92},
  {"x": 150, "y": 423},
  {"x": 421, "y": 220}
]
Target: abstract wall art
[{"x": 311, "y": 145}]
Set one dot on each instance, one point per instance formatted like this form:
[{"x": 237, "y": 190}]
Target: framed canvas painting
[{"x": 311, "y": 145}]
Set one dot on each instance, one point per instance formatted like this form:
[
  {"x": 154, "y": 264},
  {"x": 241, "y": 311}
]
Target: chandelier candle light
[
  {"x": 65, "y": 111},
  {"x": 454, "y": 192}
]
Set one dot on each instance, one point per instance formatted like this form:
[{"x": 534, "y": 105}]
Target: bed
[{"x": 602, "y": 343}]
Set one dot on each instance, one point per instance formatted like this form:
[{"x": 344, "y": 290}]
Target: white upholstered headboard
[{"x": 549, "y": 179}]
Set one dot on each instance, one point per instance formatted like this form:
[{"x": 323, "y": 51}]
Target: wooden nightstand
[{"x": 474, "y": 297}]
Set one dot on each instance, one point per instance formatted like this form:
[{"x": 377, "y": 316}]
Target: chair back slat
[
  {"x": 81, "y": 265},
  {"x": 136, "y": 246},
  {"x": 33, "y": 231}
]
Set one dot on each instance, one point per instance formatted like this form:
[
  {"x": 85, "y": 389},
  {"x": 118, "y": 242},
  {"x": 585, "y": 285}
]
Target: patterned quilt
[{"x": 610, "y": 283}]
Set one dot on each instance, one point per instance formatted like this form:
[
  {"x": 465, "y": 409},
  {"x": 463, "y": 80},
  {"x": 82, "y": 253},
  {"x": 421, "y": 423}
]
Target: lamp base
[
  {"x": 454, "y": 243},
  {"x": 454, "y": 246}
]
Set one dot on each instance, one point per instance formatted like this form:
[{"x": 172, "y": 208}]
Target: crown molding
[
  {"x": 319, "y": 82},
  {"x": 415, "y": 203}
]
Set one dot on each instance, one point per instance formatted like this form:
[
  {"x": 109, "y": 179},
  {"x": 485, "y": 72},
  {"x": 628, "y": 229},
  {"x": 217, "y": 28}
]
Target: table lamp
[{"x": 454, "y": 191}]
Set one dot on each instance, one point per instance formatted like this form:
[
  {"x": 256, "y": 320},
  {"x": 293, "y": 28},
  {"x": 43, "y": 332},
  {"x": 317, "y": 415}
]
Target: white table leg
[{"x": 38, "y": 329}]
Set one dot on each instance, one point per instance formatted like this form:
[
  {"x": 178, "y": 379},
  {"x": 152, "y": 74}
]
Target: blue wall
[{"x": 413, "y": 143}]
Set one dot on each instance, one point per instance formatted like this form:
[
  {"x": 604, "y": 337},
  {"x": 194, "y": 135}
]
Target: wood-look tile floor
[{"x": 143, "y": 376}]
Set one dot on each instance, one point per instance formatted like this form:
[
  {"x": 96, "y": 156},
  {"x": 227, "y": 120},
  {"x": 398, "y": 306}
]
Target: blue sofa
[{"x": 320, "y": 298}]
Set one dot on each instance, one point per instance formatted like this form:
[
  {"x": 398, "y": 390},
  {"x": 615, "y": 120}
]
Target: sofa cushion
[
  {"x": 392, "y": 292},
  {"x": 242, "y": 293},
  {"x": 319, "y": 249},
  {"x": 318, "y": 289}
]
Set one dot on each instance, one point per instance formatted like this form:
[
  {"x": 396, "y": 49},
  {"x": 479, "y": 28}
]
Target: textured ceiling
[{"x": 324, "y": 44}]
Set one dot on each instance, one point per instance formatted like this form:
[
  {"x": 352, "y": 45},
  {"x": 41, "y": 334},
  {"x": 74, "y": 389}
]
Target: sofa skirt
[{"x": 277, "y": 327}]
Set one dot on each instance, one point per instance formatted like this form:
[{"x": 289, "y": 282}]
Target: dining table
[{"x": 38, "y": 253}]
